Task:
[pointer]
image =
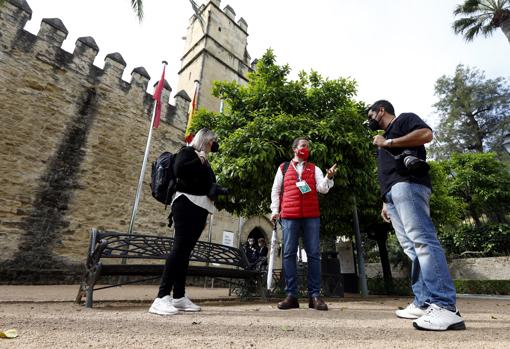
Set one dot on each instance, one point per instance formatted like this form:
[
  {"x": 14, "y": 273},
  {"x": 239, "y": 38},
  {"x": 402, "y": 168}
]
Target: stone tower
[{"x": 216, "y": 52}]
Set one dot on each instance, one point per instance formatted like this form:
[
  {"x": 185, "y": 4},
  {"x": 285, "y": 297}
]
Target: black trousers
[{"x": 189, "y": 222}]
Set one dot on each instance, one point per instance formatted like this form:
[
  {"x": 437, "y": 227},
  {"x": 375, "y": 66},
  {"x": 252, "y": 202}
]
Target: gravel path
[{"x": 350, "y": 323}]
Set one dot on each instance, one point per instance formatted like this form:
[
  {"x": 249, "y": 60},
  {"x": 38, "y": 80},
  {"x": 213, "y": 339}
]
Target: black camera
[
  {"x": 408, "y": 163},
  {"x": 216, "y": 190}
]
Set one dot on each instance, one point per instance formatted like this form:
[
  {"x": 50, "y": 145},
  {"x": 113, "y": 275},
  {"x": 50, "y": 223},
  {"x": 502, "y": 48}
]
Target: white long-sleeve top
[{"x": 322, "y": 185}]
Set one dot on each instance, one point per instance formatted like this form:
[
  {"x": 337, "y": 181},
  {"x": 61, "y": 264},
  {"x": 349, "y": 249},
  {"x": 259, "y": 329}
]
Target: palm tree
[
  {"x": 482, "y": 17},
  {"x": 137, "y": 6}
]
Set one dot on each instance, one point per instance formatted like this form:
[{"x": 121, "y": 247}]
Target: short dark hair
[
  {"x": 296, "y": 141},
  {"x": 388, "y": 107}
]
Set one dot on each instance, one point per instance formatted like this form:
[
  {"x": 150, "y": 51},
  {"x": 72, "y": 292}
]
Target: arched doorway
[
  {"x": 260, "y": 226},
  {"x": 257, "y": 233},
  {"x": 251, "y": 245}
]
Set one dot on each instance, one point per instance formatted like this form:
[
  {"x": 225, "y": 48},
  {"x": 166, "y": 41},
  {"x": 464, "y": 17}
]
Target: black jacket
[{"x": 193, "y": 176}]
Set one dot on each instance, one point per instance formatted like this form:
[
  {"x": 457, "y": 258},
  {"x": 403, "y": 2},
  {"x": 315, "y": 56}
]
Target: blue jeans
[
  {"x": 310, "y": 228},
  {"x": 408, "y": 208}
]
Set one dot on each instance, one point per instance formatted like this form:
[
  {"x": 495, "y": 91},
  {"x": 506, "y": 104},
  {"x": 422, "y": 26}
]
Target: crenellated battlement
[
  {"x": 53, "y": 31},
  {"x": 220, "y": 47},
  {"x": 46, "y": 46},
  {"x": 227, "y": 10}
]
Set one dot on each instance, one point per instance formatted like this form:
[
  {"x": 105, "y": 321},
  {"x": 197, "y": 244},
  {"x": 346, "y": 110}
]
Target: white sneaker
[
  {"x": 163, "y": 306},
  {"x": 410, "y": 312},
  {"x": 185, "y": 304},
  {"x": 439, "y": 319}
]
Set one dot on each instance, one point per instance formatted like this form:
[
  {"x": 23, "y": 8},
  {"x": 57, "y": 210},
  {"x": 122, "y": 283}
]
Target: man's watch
[{"x": 388, "y": 142}]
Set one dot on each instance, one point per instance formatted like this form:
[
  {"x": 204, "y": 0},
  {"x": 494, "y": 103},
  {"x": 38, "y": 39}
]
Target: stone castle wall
[{"x": 72, "y": 140}]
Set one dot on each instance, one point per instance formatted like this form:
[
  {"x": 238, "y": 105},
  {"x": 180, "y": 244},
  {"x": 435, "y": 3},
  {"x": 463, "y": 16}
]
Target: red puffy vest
[{"x": 295, "y": 205}]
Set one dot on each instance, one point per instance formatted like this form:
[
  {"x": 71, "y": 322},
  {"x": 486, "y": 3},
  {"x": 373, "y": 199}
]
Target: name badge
[{"x": 303, "y": 187}]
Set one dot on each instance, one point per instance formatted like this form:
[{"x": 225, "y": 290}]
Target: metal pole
[
  {"x": 359, "y": 252},
  {"x": 142, "y": 171},
  {"x": 209, "y": 238},
  {"x": 209, "y": 235},
  {"x": 239, "y": 231}
]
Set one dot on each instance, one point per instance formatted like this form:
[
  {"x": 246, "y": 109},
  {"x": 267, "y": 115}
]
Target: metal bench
[{"x": 112, "y": 253}]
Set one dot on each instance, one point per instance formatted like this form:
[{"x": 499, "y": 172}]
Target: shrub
[
  {"x": 487, "y": 241},
  {"x": 500, "y": 287}
]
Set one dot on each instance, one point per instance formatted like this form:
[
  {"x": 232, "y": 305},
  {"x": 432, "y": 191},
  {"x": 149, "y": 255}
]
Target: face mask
[
  {"x": 215, "y": 146},
  {"x": 373, "y": 125},
  {"x": 303, "y": 153}
]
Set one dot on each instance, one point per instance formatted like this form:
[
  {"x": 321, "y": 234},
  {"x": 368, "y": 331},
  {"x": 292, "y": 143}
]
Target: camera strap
[{"x": 390, "y": 153}]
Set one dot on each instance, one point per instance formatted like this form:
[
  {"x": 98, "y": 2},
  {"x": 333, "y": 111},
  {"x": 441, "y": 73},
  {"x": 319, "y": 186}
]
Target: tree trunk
[
  {"x": 477, "y": 133},
  {"x": 505, "y": 27},
  {"x": 385, "y": 263},
  {"x": 475, "y": 216}
]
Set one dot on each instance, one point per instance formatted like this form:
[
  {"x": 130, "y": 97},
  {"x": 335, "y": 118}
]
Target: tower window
[{"x": 219, "y": 29}]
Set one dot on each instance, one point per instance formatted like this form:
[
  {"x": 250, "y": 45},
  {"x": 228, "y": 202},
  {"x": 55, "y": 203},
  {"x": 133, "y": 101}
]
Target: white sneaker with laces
[
  {"x": 439, "y": 319},
  {"x": 185, "y": 304},
  {"x": 163, "y": 306},
  {"x": 410, "y": 312}
]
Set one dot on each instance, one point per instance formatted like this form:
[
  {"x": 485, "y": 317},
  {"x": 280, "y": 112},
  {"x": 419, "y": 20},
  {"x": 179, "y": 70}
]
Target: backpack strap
[{"x": 284, "y": 167}]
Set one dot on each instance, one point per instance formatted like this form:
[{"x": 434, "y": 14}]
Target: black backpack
[{"x": 163, "y": 179}]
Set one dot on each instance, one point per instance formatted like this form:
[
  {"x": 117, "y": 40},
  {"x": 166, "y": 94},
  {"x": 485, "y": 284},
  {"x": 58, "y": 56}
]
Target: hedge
[{"x": 401, "y": 287}]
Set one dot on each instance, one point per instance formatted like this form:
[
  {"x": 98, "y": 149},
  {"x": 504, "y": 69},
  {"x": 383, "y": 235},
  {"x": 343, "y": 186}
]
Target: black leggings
[{"x": 189, "y": 222}]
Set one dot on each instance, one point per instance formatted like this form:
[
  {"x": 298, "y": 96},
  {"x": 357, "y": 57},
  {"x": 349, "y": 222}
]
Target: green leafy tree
[
  {"x": 445, "y": 209},
  {"x": 474, "y": 113},
  {"x": 482, "y": 183},
  {"x": 262, "y": 119},
  {"x": 488, "y": 240},
  {"x": 482, "y": 17}
]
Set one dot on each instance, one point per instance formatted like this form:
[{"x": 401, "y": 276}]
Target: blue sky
[{"x": 394, "y": 49}]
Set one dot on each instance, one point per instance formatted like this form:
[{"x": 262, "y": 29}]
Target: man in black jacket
[{"x": 406, "y": 189}]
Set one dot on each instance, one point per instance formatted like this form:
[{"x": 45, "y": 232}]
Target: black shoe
[{"x": 290, "y": 302}]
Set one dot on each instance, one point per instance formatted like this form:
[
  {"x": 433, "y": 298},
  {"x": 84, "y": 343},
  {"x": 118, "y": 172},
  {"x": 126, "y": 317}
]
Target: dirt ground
[{"x": 46, "y": 318}]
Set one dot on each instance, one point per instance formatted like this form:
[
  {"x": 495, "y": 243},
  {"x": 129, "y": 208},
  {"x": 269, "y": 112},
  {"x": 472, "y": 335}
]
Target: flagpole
[{"x": 144, "y": 165}]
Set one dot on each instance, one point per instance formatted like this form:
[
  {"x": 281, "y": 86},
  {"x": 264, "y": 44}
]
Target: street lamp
[{"x": 506, "y": 143}]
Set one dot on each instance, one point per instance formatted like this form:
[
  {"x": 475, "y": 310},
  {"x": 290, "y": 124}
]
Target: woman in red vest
[{"x": 294, "y": 200}]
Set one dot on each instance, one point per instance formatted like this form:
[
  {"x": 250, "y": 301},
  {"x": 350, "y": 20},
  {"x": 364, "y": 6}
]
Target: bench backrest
[{"x": 112, "y": 244}]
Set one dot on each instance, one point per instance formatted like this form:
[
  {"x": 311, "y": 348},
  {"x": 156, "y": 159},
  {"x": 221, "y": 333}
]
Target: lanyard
[{"x": 298, "y": 175}]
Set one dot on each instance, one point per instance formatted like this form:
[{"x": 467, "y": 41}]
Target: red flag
[
  {"x": 157, "y": 97},
  {"x": 193, "y": 107}
]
